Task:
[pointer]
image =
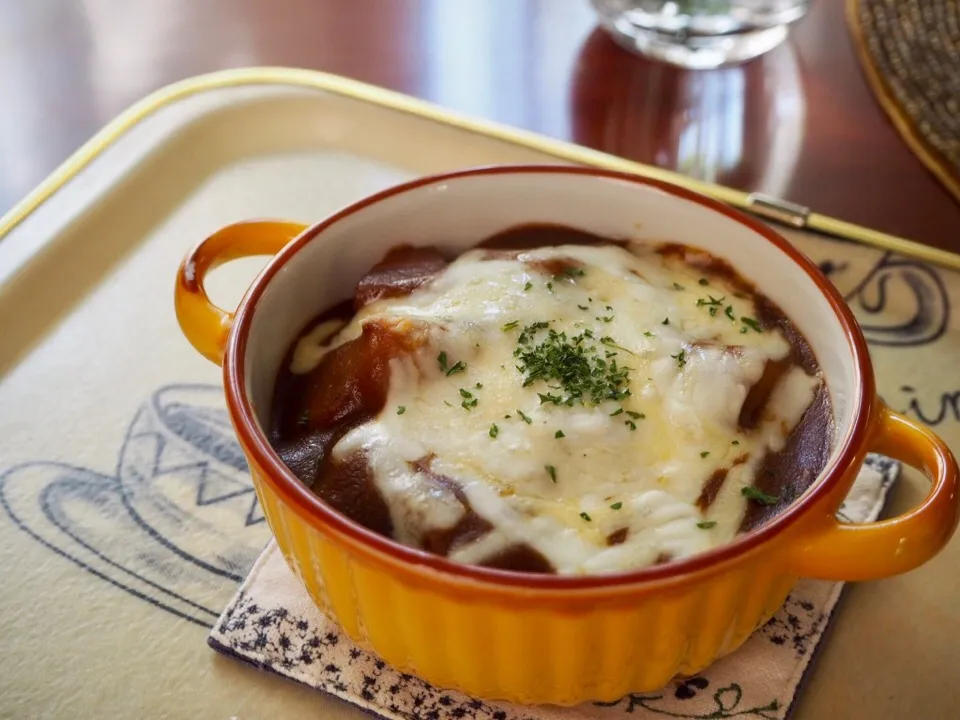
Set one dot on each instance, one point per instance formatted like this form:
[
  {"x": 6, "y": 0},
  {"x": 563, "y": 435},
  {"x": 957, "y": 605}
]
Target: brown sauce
[
  {"x": 470, "y": 527},
  {"x": 713, "y": 485},
  {"x": 770, "y": 316},
  {"x": 785, "y": 475},
  {"x": 618, "y": 537},
  {"x": 529, "y": 237},
  {"x": 751, "y": 412},
  {"x": 708, "y": 264},
  {"x": 311, "y": 412},
  {"x": 556, "y": 268},
  {"x": 712, "y": 488}
]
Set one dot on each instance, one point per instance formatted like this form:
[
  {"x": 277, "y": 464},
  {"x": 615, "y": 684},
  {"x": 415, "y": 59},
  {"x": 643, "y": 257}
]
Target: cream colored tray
[{"x": 127, "y": 519}]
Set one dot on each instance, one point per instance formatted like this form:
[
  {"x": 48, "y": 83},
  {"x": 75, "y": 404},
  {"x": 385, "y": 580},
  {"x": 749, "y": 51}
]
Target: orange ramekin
[{"x": 539, "y": 638}]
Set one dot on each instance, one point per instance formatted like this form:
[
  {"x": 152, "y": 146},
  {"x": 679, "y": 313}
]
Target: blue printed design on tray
[
  {"x": 877, "y": 293},
  {"x": 176, "y": 524}
]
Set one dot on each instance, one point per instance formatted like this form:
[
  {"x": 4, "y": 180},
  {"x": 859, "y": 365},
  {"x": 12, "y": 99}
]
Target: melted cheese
[
  {"x": 311, "y": 348},
  {"x": 612, "y": 470}
]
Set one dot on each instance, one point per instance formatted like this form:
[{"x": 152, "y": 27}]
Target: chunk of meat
[
  {"x": 303, "y": 454},
  {"x": 348, "y": 488},
  {"x": 401, "y": 271},
  {"x": 348, "y": 387},
  {"x": 351, "y": 383}
]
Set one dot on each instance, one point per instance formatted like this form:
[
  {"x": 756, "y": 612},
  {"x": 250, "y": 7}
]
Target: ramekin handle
[{"x": 204, "y": 324}]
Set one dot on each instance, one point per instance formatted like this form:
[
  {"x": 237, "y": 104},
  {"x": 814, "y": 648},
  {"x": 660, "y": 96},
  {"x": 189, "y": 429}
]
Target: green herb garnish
[
  {"x": 616, "y": 506},
  {"x": 585, "y": 516},
  {"x": 442, "y": 359},
  {"x": 734, "y": 442},
  {"x": 526, "y": 335},
  {"x": 705, "y": 453},
  {"x": 510, "y": 325},
  {"x": 607, "y": 340},
  {"x": 457, "y": 367},
  {"x": 526, "y": 418},
  {"x": 401, "y": 409},
  {"x": 468, "y": 404},
  {"x": 528, "y": 285},
  {"x": 559, "y": 434},
  {"x": 712, "y": 302},
  {"x": 666, "y": 321},
  {"x": 570, "y": 364},
  {"x": 630, "y": 424},
  {"x": 706, "y": 524},
  {"x": 616, "y": 412},
  {"x": 479, "y": 386},
  {"x": 466, "y": 393},
  {"x": 494, "y": 430},
  {"x": 635, "y": 415},
  {"x": 583, "y": 307},
  {"x": 751, "y": 323},
  {"x": 677, "y": 286},
  {"x": 753, "y": 493},
  {"x": 647, "y": 333},
  {"x": 681, "y": 358},
  {"x": 704, "y": 281},
  {"x": 551, "y": 471},
  {"x": 550, "y": 286},
  {"x": 729, "y": 312}
]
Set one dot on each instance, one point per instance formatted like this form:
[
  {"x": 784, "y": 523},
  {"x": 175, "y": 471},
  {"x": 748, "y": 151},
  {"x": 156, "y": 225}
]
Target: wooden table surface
[{"x": 799, "y": 123}]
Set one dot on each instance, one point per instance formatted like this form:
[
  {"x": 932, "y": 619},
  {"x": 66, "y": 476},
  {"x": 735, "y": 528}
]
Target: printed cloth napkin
[{"x": 273, "y": 624}]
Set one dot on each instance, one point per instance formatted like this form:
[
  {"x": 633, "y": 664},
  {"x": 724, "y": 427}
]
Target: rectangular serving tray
[{"x": 126, "y": 524}]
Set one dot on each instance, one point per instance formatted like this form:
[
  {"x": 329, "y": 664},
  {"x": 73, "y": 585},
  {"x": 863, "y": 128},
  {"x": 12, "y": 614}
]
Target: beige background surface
[{"x": 89, "y": 337}]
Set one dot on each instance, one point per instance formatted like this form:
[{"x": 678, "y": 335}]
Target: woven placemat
[{"x": 910, "y": 50}]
